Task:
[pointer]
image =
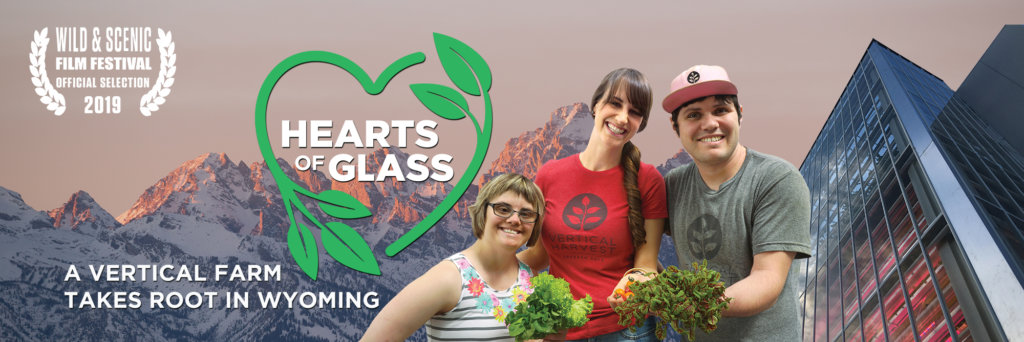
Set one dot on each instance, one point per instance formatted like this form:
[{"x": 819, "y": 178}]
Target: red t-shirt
[{"x": 586, "y": 231}]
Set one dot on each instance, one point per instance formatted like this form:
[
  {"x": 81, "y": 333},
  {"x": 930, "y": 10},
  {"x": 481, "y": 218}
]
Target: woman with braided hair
[{"x": 604, "y": 209}]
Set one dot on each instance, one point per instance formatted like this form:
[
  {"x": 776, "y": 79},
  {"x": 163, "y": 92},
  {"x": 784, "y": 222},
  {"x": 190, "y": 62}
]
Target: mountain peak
[
  {"x": 573, "y": 121},
  {"x": 675, "y": 161},
  {"x": 211, "y": 159},
  {"x": 565, "y": 134},
  {"x": 82, "y": 210},
  {"x": 8, "y": 195},
  {"x": 16, "y": 215},
  {"x": 175, "y": 191}
]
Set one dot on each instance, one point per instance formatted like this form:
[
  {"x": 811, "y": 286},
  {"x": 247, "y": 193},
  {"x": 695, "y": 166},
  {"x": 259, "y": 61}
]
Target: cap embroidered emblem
[
  {"x": 693, "y": 77},
  {"x": 696, "y": 82}
]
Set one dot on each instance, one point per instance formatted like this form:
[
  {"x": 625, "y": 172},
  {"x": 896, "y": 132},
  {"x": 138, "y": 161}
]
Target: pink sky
[{"x": 790, "y": 59}]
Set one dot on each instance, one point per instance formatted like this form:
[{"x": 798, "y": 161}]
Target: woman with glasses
[
  {"x": 467, "y": 296},
  {"x": 605, "y": 210}
]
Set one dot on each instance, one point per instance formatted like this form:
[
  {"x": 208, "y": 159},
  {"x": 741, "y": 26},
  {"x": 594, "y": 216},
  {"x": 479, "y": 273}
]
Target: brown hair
[
  {"x": 638, "y": 93},
  {"x": 517, "y": 184}
]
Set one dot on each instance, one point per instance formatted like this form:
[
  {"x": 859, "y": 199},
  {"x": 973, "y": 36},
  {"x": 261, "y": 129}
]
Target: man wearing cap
[{"x": 745, "y": 212}]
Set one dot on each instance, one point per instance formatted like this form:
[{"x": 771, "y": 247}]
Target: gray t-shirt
[{"x": 764, "y": 207}]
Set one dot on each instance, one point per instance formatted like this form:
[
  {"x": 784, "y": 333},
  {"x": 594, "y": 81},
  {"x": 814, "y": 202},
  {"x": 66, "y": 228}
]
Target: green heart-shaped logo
[{"x": 464, "y": 67}]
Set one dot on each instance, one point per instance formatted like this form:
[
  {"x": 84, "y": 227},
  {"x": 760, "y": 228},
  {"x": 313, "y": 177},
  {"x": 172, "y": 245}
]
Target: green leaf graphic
[
  {"x": 341, "y": 205},
  {"x": 460, "y": 61},
  {"x": 345, "y": 245},
  {"x": 302, "y": 244},
  {"x": 443, "y": 101},
  {"x": 467, "y": 70}
]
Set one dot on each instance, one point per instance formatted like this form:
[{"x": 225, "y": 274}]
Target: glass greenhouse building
[{"x": 916, "y": 204}]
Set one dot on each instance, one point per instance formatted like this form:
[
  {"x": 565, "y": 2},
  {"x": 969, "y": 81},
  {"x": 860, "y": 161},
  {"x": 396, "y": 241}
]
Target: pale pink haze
[{"x": 790, "y": 60}]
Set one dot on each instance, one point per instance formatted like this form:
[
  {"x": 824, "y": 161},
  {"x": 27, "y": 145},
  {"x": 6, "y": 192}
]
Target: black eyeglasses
[{"x": 506, "y": 211}]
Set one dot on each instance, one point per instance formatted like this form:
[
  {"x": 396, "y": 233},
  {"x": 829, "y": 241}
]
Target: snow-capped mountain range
[{"x": 212, "y": 211}]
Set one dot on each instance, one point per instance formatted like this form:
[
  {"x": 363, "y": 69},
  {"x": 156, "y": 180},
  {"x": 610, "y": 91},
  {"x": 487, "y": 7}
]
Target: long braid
[
  {"x": 630, "y": 180},
  {"x": 638, "y": 93}
]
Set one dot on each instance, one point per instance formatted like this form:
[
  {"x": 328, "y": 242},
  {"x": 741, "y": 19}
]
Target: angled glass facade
[
  {"x": 891, "y": 220},
  {"x": 991, "y": 171}
]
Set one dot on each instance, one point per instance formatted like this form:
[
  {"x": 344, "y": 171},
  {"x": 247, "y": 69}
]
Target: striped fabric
[{"x": 474, "y": 318}]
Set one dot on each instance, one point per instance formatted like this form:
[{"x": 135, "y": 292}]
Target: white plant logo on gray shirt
[{"x": 704, "y": 237}]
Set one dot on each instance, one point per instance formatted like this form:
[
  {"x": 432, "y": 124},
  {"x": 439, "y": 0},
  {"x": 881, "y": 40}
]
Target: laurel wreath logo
[
  {"x": 467, "y": 71},
  {"x": 153, "y": 99},
  {"x": 49, "y": 96}
]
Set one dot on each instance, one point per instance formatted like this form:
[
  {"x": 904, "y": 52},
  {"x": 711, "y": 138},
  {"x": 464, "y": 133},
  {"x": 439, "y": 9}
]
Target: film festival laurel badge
[{"x": 107, "y": 68}]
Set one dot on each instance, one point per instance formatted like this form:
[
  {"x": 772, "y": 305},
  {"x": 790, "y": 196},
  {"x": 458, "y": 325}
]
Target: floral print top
[{"x": 481, "y": 310}]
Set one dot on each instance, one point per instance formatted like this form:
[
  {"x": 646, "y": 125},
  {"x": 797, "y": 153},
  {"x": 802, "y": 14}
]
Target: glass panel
[
  {"x": 851, "y": 146},
  {"x": 868, "y": 177},
  {"x": 888, "y": 114},
  {"x": 820, "y": 251},
  {"x": 853, "y": 332},
  {"x": 948, "y": 296},
  {"x": 897, "y": 140},
  {"x": 844, "y": 206},
  {"x": 835, "y": 308},
  {"x": 811, "y": 262},
  {"x": 902, "y": 230},
  {"x": 820, "y": 317},
  {"x": 924, "y": 206},
  {"x": 833, "y": 234},
  {"x": 862, "y": 132},
  {"x": 871, "y": 76},
  {"x": 865, "y": 105},
  {"x": 880, "y": 97},
  {"x": 862, "y": 88},
  {"x": 849, "y": 276},
  {"x": 882, "y": 160},
  {"x": 840, "y": 153},
  {"x": 884, "y": 259},
  {"x": 875, "y": 140},
  {"x": 808, "y": 300},
  {"x": 896, "y": 315},
  {"x": 866, "y": 276},
  {"x": 873, "y": 328},
  {"x": 855, "y": 187},
  {"x": 928, "y": 317},
  {"x": 903, "y": 233},
  {"x": 915, "y": 206}
]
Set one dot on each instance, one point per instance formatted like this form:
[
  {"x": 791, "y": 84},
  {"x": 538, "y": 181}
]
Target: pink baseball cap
[{"x": 696, "y": 82}]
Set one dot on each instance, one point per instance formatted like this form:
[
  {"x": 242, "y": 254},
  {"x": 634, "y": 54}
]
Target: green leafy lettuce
[{"x": 548, "y": 310}]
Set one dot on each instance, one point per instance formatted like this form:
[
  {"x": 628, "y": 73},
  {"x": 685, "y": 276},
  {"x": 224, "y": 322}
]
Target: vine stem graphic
[
  {"x": 483, "y": 142},
  {"x": 301, "y": 241},
  {"x": 471, "y": 74},
  {"x": 468, "y": 72}
]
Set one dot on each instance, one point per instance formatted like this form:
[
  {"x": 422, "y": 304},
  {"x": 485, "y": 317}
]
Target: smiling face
[
  {"x": 508, "y": 231},
  {"x": 621, "y": 105},
  {"x": 616, "y": 120},
  {"x": 710, "y": 131}
]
